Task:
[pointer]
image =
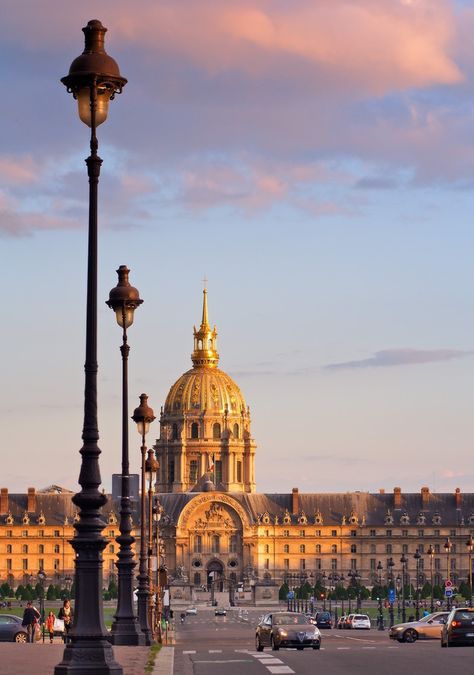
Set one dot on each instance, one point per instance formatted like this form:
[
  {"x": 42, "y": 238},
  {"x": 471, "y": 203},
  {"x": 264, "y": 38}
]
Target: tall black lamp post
[
  {"x": 42, "y": 579},
  {"x": 417, "y": 557},
  {"x": 94, "y": 79},
  {"x": 470, "y": 549},
  {"x": 143, "y": 416},
  {"x": 398, "y": 582},
  {"x": 380, "y": 617},
  {"x": 390, "y": 565},
  {"x": 447, "y": 547},
  {"x": 124, "y": 299},
  {"x": 151, "y": 468},
  {"x": 430, "y": 552},
  {"x": 404, "y": 561}
]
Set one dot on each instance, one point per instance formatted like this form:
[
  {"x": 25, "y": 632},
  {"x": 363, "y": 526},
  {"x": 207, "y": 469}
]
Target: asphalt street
[{"x": 210, "y": 645}]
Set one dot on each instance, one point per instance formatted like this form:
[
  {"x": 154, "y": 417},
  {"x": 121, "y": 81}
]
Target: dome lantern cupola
[{"x": 205, "y": 352}]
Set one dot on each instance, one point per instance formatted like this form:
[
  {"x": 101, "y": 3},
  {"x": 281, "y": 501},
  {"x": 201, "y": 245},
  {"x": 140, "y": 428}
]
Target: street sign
[
  {"x": 448, "y": 583},
  {"x": 290, "y": 595},
  {"x": 391, "y": 595},
  {"x": 448, "y": 592}
]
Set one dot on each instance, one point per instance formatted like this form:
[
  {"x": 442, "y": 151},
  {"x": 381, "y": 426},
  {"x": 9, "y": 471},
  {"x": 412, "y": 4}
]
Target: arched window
[
  {"x": 197, "y": 578},
  {"x": 353, "y": 548},
  {"x": 318, "y": 548},
  {"x": 56, "y": 548},
  {"x": 388, "y": 548},
  {"x": 236, "y": 430},
  {"x": 267, "y": 548},
  {"x": 215, "y": 543},
  {"x": 333, "y": 548},
  {"x": 194, "y": 430},
  {"x": 9, "y": 548},
  {"x": 174, "y": 432},
  {"x": 233, "y": 543},
  {"x": 209, "y": 344},
  {"x": 198, "y": 543},
  {"x": 286, "y": 548},
  {"x": 24, "y": 548},
  {"x": 216, "y": 430},
  {"x": 302, "y": 548}
]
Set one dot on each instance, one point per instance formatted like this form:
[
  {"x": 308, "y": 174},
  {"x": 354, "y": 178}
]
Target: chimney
[
  {"x": 425, "y": 497},
  {"x": 458, "y": 498},
  {"x": 4, "y": 500},
  {"x": 381, "y": 491},
  {"x": 31, "y": 508},
  {"x": 397, "y": 498},
  {"x": 295, "y": 502}
]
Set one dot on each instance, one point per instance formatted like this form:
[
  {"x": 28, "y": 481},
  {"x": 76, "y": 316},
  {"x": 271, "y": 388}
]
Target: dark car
[
  {"x": 459, "y": 628},
  {"x": 323, "y": 619},
  {"x": 286, "y": 629},
  {"x": 11, "y": 629},
  {"x": 220, "y": 611}
]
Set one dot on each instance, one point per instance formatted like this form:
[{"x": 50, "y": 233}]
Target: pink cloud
[{"x": 18, "y": 170}]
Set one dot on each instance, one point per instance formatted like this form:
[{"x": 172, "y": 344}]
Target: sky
[{"x": 315, "y": 162}]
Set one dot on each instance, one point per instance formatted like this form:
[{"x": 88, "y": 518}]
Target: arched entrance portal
[{"x": 218, "y": 583}]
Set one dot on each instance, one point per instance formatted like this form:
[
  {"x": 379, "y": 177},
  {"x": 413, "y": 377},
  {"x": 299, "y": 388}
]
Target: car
[
  {"x": 286, "y": 629},
  {"x": 220, "y": 611},
  {"x": 11, "y": 629},
  {"x": 341, "y": 622},
  {"x": 323, "y": 619},
  {"x": 191, "y": 610},
  {"x": 358, "y": 621},
  {"x": 311, "y": 619},
  {"x": 427, "y": 628},
  {"x": 459, "y": 628}
]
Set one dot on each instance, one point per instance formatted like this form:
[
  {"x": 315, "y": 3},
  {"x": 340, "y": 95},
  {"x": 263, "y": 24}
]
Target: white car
[
  {"x": 359, "y": 621},
  {"x": 191, "y": 610}
]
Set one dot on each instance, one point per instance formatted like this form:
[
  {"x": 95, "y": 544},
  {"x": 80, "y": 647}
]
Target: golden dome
[{"x": 205, "y": 387}]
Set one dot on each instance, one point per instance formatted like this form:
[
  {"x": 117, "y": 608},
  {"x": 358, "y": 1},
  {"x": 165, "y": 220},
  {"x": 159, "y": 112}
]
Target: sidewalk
[{"x": 40, "y": 659}]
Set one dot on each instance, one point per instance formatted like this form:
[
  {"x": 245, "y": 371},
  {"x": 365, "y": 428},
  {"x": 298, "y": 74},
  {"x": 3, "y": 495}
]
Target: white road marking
[
  {"x": 190, "y": 651},
  {"x": 343, "y": 648},
  {"x": 280, "y": 669},
  {"x": 215, "y": 651},
  {"x": 271, "y": 661}
]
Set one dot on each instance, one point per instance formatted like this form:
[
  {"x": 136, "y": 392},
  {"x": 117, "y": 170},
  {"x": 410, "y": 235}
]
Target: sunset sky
[{"x": 314, "y": 159}]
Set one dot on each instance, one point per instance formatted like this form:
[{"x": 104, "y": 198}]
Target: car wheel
[
  {"x": 275, "y": 647},
  {"x": 410, "y": 635},
  {"x": 20, "y": 637},
  {"x": 443, "y": 644},
  {"x": 258, "y": 644},
  {"x": 318, "y": 646},
  {"x": 300, "y": 649}
]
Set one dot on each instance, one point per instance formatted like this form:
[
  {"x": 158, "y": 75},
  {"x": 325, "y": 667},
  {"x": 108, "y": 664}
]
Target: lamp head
[
  {"x": 124, "y": 298},
  {"x": 143, "y": 415}
]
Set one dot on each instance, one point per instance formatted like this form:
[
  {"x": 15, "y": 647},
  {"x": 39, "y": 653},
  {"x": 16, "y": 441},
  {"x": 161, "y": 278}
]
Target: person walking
[
  {"x": 30, "y": 619},
  {"x": 50, "y": 619},
  {"x": 66, "y": 613}
]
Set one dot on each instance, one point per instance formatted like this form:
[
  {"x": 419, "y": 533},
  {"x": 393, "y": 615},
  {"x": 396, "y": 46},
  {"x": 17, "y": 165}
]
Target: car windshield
[
  {"x": 431, "y": 617},
  {"x": 361, "y": 617},
  {"x": 464, "y": 615},
  {"x": 286, "y": 619},
  {"x": 323, "y": 616}
]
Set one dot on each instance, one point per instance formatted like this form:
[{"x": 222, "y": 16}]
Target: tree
[
  {"x": 19, "y": 591},
  {"x": 438, "y": 592},
  {"x": 283, "y": 592},
  {"x": 113, "y": 590},
  {"x": 51, "y": 593},
  {"x": 6, "y": 590},
  {"x": 464, "y": 590},
  {"x": 426, "y": 590}
]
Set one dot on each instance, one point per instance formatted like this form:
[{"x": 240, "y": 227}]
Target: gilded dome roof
[{"x": 205, "y": 387}]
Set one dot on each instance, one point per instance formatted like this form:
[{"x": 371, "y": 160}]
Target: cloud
[{"x": 402, "y": 357}]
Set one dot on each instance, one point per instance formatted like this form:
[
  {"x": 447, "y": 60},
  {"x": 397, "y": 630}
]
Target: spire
[{"x": 205, "y": 352}]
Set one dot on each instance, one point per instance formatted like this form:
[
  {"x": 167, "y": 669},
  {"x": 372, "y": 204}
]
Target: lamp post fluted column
[
  {"x": 151, "y": 468},
  {"x": 380, "y": 616},
  {"x": 143, "y": 416},
  {"x": 404, "y": 561},
  {"x": 124, "y": 299},
  {"x": 417, "y": 557},
  {"x": 470, "y": 549},
  {"x": 447, "y": 548},
  {"x": 430, "y": 552},
  {"x": 390, "y": 564},
  {"x": 94, "y": 79}
]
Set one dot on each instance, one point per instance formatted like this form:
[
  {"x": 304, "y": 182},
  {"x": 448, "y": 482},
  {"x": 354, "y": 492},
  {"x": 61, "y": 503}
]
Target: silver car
[
  {"x": 427, "y": 628},
  {"x": 286, "y": 629}
]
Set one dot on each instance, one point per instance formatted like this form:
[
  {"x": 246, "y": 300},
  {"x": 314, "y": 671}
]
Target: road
[{"x": 213, "y": 645}]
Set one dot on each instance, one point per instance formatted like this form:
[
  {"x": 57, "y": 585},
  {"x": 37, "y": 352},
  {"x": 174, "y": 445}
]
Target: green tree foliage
[
  {"x": 113, "y": 589},
  {"x": 19, "y": 591},
  {"x": 6, "y": 591},
  {"x": 283, "y": 592},
  {"x": 426, "y": 590},
  {"x": 51, "y": 593}
]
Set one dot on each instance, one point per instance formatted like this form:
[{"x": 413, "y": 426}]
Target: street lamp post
[
  {"x": 143, "y": 416},
  {"x": 390, "y": 565},
  {"x": 380, "y": 617},
  {"x": 398, "y": 582},
  {"x": 342, "y": 579},
  {"x": 42, "y": 579},
  {"x": 417, "y": 557},
  {"x": 470, "y": 549},
  {"x": 430, "y": 552},
  {"x": 157, "y": 513},
  {"x": 404, "y": 562},
  {"x": 94, "y": 79},
  {"x": 124, "y": 299},
  {"x": 447, "y": 547},
  {"x": 151, "y": 468}
]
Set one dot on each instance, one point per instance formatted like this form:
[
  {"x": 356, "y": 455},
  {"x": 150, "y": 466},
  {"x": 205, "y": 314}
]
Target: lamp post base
[
  {"x": 127, "y": 634},
  {"x": 90, "y": 657}
]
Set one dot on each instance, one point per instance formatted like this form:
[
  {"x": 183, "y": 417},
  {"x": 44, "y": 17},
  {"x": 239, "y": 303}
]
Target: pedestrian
[
  {"x": 50, "y": 619},
  {"x": 66, "y": 613},
  {"x": 30, "y": 619}
]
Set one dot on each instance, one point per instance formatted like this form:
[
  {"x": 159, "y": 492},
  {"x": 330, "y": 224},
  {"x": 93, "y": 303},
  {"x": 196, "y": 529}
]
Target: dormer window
[
  {"x": 389, "y": 519},
  {"x": 318, "y": 519}
]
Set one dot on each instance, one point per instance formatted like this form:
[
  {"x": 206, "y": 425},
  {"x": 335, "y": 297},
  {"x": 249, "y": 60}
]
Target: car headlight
[
  {"x": 283, "y": 633},
  {"x": 397, "y": 627},
  {"x": 311, "y": 635}
]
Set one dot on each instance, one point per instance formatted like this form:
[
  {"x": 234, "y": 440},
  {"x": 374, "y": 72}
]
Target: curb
[{"x": 164, "y": 662}]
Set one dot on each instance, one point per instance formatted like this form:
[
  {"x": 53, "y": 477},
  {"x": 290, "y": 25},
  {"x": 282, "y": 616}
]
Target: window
[
  {"x": 373, "y": 533},
  {"x": 404, "y": 548},
  {"x": 372, "y": 564},
  {"x": 404, "y": 533},
  {"x": 56, "y": 565},
  {"x": 334, "y": 563},
  {"x": 421, "y": 533},
  {"x": 421, "y": 548},
  {"x": 40, "y": 533},
  {"x": 353, "y": 548},
  {"x": 452, "y": 533},
  {"x": 57, "y": 533},
  {"x": 216, "y": 430},
  {"x": 111, "y": 548},
  {"x": 236, "y": 430},
  {"x": 215, "y": 543},
  {"x": 24, "y": 564},
  {"x": 302, "y": 548},
  {"x": 422, "y": 564},
  {"x": 9, "y": 533},
  {"x": 193, "y": 471},
  {"x": 333, "y": 548},
  {"x": 218, "y": 471},
  {"x": 24, "y": 533},
  {"x": 333, "y": 533},
  {"x": 302, "y": 533},
  {"x": 9, "y": 548},
  {"x": 56, "y": 548},
  {"x": 318, "y": 533},
  {"x": 198, "y": 543},
  {"x": 239, "y": 472},
  {"x": 9, "y": 563},
  {"x": 24, "y": 548},
  {"x": 266, "y": 548},
  {"x": 197, "y": 578},
  {"x": 353, "y": 563},
  {"x": 41, "y": 563},
  {"x": 437, "y": 563},
  {"x": 389, "y": 533},
  {"x": 353, "y": 533},
  {"x": 111, "y": 534},
  {"x": 453, "y": 563},
  {"x": 194, "y": 430},
  {"x": 286, "y": 563},
  {"x": 373, "y": 548},
  {"x": 388, "y": 548},
  {"x": 174, "y": 433},
  {"x": 318, "y": 563},
  {"x": 437, "y": 548},
  {"x": 233, "y": 543},
  {"x": 171, "y": 471},
  {"x": 437, "y": 533},
  {"x": 318, "y": 548},
  {"x": 286, "y": 533},
  {"x": 453, "y": 548},
  {"x": 267, "y": 533},
  {"x": 302, "y": 564},
  {"x": 286, "y": 548}
]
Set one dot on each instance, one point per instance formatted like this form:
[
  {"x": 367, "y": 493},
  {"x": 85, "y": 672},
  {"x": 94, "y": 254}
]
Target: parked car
[
  {"x": 341, "y": 622},
  {"x": 459, "y": 628},
  {"x": 191, "y": 610},
  {"x": 11, "y": 629},
  {"x": 427, "y": 628},
  {"x": 358, "y": 621},
  {"x": 311, "y": 619},
  {"x": 220, "y": 611},
  {"x": 323, "y": 619},
  {"x": 286, "y": 629}
]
